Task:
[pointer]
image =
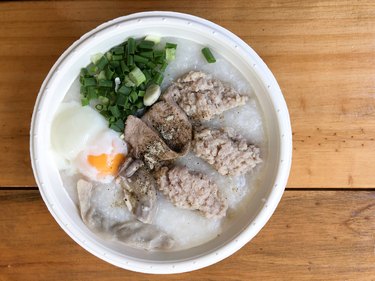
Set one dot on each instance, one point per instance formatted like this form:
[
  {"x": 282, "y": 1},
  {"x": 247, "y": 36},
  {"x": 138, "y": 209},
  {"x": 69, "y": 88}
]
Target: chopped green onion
[
  {"x": 131, "y": 46},
  {"x": 140, "y": 59},
  {"x": 170, "y": 54},
  {"x": 119, "y": 81},
  {"x": 102, "y": 62},
  {"x": 208, "y": 55},
  {"x": 84, "y": 101},
  {"x": 99, "y": 107},
  {"x": 108, "y": 56},
  {"x": 124, "y": 67},
  {"x": 95, "y": 58},
  {"x": 115, "y": 111},
  {"x": 101, "y": 76},
  {"x": 133, "y": 96},
  {"x": 163, "y": 66},
  {"x": 137, "y": 76},
  {"x": 128, "y": 82},
  {"x": 170, "y": 45},
  {"x": 124, "y": 90},
  {"x": 158, "y": 78},
  {"x": 105, "y": 83},
  {"x": 103, "y": 100},
  {"x": 153, "y": 38},
  {"x": 89, "y": 82},
  {"x": 92, "y": 93},
  {"x": 139, "y": 104},
  {"x": 151, "y": 65},
  {"x": 147, "y": 74},
  {"x": 83, "y": 90},
  {"x": 118, "y": 126},
  {"x": 158, "y": 53},
  {"x": 117, "y": 57},
  {"x": 118, "y": 50},
  {"x": 148, "y": 54},
  {"x": 91, "y": 69},
  {"x": 120, "y": 101},
  {"x": 83, "y": 72},
  {"x": 149, "y": 45},
  {"x": 130, "y": 61},
  {"x": 109, "y": 73}
]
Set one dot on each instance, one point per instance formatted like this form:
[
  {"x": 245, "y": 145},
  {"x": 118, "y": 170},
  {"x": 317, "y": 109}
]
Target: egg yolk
[{"x": 106, "y": 164}]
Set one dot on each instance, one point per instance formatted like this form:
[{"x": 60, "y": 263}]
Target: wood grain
[
  {"x": 313, "y": 235},
  {"x": 321, "y": 52}
]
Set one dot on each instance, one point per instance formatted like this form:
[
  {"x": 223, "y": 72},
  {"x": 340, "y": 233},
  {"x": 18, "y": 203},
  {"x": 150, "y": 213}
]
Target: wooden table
[{"x": 323, "y": 56}]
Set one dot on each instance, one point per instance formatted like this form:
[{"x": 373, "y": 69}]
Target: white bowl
[{"x": 271, "y": 101}]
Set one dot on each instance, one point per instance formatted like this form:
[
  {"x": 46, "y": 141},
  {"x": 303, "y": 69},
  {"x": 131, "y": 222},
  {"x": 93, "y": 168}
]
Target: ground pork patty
[
  {"x": 192, "y": 191},
  {"x": 202, "y": 97},
  {"x": 227, "y": 152}
]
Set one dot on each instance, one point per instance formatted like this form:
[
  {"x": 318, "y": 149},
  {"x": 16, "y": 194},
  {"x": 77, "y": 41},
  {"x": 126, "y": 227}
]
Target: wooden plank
[
  {"x": 313, "y": 235},
  {"x": 321, "y": 52}
]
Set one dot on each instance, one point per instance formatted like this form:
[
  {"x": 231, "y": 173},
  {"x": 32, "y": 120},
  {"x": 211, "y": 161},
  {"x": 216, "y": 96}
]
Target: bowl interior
[{"x": 277, "y": 128}]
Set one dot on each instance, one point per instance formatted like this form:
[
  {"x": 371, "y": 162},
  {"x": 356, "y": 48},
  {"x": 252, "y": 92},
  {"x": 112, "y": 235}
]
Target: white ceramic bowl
[{"x": 266, "y": 89}]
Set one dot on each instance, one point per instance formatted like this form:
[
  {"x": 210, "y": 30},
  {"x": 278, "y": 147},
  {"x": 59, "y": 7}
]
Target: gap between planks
[{"x": 30, "y": 188}]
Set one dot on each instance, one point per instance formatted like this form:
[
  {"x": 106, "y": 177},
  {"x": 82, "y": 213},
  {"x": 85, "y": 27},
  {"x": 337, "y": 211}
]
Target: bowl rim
[{"x": 281, "y": 178}]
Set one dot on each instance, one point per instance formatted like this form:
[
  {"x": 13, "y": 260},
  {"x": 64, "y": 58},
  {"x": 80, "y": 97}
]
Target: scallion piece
[
  {"x": 170, "y": 45},
  {"x": 130, "y": 61},
  {"x": 95, "y": 58},
  {"x": 124, "y": 67},
  {"x": 137, "y": 76},
  {"x": 105, "y": 83},
  {"x": 120, "y": 101},
  {"x": 131, "y": 46},
  {"x": 140, "y": 59},
  {"x": 133, "y": 96},
  {"x": 128, "y": 82},
  {"x": 101, "y": 63},
  {"x": 115, "y": 111},
  {"x": 148, "y": 45},
  {"x": 163, "y": 67},
  {"x": 118, "y": 50},
  {"x": 89, "y": 82},
  {"x": 117, "y": 126},
  {"x": 153, "y": 38},
  {"x": 99, "y": 107},
  {"x": 208, "y": 55},
  {"x": 151, "y": 65},
  {"x": 117, "y": 57},
  {"x": 158, "y": 53},
  {"x": 115, "y": 63},
  {"x": 158, "y": 78},
  {"x": 109, "y": 73},
  {"x": 170, "y": 54},
  {"x": 148, "y": 54},
  {"x": 92, "y": 93},
  {"x": 84, "y": 101},
  {"x": 103, "y": 100},
  {"x": 101, "y": 76},
  {"x": 124, "y": 90}
]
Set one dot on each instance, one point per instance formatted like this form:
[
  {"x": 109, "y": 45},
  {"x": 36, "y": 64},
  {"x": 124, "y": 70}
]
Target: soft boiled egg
[{"x": 82, "y": 142}]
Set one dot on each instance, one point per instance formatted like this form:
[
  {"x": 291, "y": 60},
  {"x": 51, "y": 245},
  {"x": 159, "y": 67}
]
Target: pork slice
[
  {"x": 146, "y": 143},
  {"x": 192, "y": 191},
  {"x": 131, "y": 232},
  {"x": 139, "y": 188},
  {"x": 226, "y": 151},
  {"x": 172, "y": 124},
  {"x": 203, "y": 97}
]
